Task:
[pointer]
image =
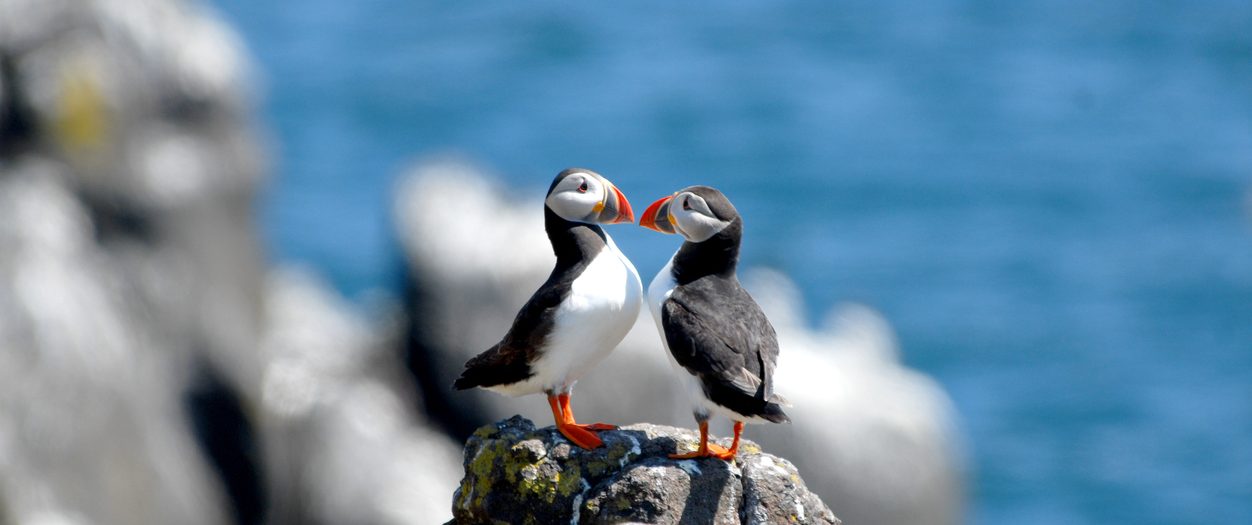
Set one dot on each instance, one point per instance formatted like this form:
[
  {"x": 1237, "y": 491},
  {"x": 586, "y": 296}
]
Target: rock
[
  {"x": 129, "y": 278},
  {"x": 153, "y": 368},
  {"x": 516, "y": 473},
  {"x": 878, "y": 440},
  {"x": 344, "y": 443},
  {"x": 91, "y": 427}
]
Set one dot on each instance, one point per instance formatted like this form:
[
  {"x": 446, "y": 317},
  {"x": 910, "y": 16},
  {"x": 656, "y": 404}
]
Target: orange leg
[
  {"x": 703, "y": 449},
  {"x": 577, "y": 434},
  {"x": 713, "y": 450},
  {"x": 729, "y": 454}
]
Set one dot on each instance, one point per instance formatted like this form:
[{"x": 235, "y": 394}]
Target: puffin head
[
  {"x": 697, "y": 213},
  {"x": 582, "y": 195}
]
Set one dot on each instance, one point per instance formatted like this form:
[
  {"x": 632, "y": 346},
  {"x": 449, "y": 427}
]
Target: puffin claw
[{"x": 598, "y": 427}]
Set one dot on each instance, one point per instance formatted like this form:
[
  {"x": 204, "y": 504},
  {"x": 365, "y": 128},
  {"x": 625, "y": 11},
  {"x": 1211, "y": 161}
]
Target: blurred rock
[
  {"x": 345, "y": 445},
  {"x": 519, "y": 474},
  {"x": 885, "y": 435},
  {"x": 141, "y": 103},
  {"x": 154, "y": 370},
  {"x": 876, "y": 440},
  {"x": 134, "y": 270},
  {"x": 91, "y": 429}
]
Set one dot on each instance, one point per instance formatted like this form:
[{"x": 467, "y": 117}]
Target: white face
[
  {"x": 579, "y": 197},
  {"x": 693, "y": 219}
]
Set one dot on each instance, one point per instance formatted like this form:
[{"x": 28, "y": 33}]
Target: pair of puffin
[{"x": 716, "y": 335}]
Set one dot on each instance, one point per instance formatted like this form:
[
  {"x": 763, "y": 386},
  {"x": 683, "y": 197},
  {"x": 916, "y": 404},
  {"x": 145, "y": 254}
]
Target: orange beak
[
  {"x": 614, "y": 208},
  {"x": 657, "y": 216},
  {"x": 624, "y": 213}
]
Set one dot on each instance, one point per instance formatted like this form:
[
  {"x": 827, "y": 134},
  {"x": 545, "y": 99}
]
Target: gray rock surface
[
  {"x": 153, "y": 368},
  {"x": 516, "y": 473},
  {"x": 91, "y": 427},
  {"x": 130, "y": 268}
]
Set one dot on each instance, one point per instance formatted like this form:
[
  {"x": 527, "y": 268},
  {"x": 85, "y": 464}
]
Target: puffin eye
[
  {"x": 582, "y": 188},
  {"x": 687, "y": 204}
]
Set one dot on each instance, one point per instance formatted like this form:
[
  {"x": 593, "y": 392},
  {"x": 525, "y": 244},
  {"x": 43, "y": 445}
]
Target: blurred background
[{"x": 245, "y": 246}]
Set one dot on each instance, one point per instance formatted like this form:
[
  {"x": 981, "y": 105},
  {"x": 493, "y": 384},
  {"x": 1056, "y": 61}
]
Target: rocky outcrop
[
  {"x": 877, "y": 440},
  {"x": 516, "y": 473},
  {"x": 153, "y": 368}
]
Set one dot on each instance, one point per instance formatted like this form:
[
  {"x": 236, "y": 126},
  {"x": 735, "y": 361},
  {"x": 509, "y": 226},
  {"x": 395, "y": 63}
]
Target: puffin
[
  {"x": 578, "y": 315},
  {"x": 717, "y": 337}
]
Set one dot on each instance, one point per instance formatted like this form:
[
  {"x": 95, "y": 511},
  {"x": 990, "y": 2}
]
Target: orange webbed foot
[
  {"x": 581, "y": 436},
  {"x": 690, "y": 455},
  {"x": 720, "y": 452},
  {"x": 712, "y": 451}
]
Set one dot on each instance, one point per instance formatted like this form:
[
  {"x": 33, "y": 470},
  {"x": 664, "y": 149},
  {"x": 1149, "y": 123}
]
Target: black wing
[
  {"x": 718, "y": 333},
  {"x": 575, "y": 246},
  {"x": 509, "y": 360}
]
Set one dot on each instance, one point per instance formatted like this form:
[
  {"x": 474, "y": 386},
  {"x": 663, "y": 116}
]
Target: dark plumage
[
  {"x": 717, "y": 332},
  {"x": 576, "y": 245},
  {"x": 713, "y": 329}
]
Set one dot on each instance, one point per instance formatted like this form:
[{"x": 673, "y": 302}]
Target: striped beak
[
  {"x": 614, "y": 208},
  {"x": 657, "y": 216}
]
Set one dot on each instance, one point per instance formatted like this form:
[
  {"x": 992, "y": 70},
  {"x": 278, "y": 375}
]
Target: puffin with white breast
[
  {"x": 578, "y": 316},
  {"x": 717, "y": 336}
]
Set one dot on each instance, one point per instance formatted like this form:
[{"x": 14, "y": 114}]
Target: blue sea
[{"x": 1050, "y": 201}]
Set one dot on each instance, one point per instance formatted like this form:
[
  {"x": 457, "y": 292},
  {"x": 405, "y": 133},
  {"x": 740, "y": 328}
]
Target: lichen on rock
[{"x": 516, "y": 473}]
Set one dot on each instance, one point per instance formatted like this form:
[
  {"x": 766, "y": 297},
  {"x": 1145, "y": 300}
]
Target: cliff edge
[{"x": 516, "y": 473}]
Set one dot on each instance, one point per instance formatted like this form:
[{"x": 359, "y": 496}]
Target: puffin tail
[
  {"x": 465, "y": 382},
  {"x": 493, "y": 368},
  {"x": 477, "y": 373},
  {"x": 774, "y": 413},
  {"x": 779, "y": 399}
]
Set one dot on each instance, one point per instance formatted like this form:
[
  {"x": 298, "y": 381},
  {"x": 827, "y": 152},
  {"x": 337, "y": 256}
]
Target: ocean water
[{"x": 1051, "y": 202}]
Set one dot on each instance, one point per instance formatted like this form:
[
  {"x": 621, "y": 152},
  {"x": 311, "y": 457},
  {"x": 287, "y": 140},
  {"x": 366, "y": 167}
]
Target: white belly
[
  {"x": 658, "y": 292},
  {"x": 602, "y": 306}
]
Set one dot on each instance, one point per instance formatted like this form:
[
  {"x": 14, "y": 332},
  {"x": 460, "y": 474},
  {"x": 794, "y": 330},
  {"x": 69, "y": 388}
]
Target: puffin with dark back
[
  {"x": 717, "y": 336},
  {"x": 578, "y": 316}
]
